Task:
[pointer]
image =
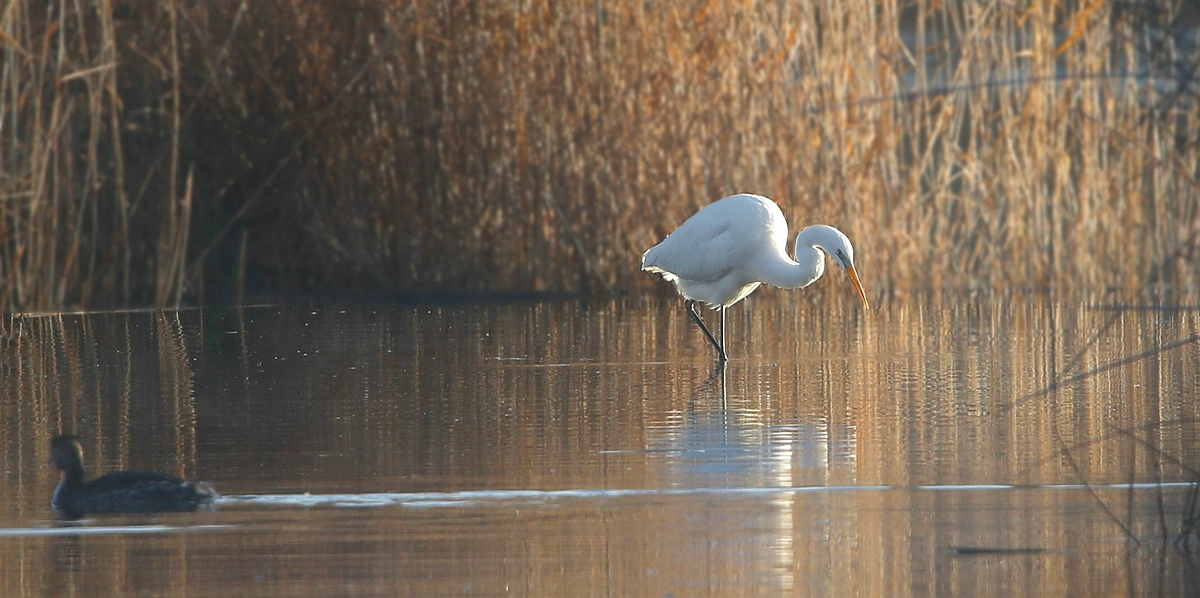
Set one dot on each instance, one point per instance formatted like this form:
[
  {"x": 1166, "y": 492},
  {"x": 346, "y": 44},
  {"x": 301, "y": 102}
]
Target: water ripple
[{"x": 480, "y": 497}]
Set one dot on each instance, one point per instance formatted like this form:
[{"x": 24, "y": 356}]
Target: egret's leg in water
[{"x": 690, "y": 304}]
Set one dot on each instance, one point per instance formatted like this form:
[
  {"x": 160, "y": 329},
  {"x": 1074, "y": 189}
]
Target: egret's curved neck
[{"x": 809, "y": 265}]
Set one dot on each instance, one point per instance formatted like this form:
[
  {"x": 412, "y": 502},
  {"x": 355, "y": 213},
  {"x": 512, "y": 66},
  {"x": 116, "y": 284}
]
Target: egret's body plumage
[{"x": 726, "y": 250}]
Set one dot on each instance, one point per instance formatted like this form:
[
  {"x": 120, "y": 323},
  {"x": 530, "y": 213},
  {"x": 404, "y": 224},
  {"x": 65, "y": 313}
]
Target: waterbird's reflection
[
  {"x": 66, "y": 553},
  {"x": 71, "y": 573},
  {"x": 716, "y": 442},
  {"x": 719, "y": 441}
]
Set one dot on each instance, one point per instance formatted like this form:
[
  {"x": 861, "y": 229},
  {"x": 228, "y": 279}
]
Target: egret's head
[
  {"x": 837, "y": 245},
  {"x": 844, "y": 257}
]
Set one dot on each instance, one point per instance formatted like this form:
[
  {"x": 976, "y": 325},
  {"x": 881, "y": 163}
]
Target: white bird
[{"x": 723, "y": 252}]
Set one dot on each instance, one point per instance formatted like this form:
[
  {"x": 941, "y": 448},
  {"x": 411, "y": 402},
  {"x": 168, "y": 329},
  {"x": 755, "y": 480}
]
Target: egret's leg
[
  {"x": 723, "y": 331},
  {"x": 690, "y": 304}
]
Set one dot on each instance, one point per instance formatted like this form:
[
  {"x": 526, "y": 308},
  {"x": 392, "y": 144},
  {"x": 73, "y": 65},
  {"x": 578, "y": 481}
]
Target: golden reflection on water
[{"x": 869, "y": 425}]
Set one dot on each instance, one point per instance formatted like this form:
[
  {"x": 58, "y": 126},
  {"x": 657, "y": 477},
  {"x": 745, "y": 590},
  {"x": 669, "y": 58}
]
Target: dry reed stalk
[
  {"x": 69, "y": 232},
  {"x": 174, "y": 229}
]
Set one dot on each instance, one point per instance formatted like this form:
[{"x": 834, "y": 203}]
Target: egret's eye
[{"x": 842, "y": 260}]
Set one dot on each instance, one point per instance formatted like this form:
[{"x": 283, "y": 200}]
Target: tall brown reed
[
  {"x": 72, "y": 219},
  {"x": 421, "y": 146},
  {"x": 545, "y": 145}
]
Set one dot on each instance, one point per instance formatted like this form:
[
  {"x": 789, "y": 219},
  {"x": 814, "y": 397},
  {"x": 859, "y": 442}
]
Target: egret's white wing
[{"x": 717, "y": 241}]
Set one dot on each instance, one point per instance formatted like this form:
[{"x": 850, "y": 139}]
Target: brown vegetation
[{"x": 178, "y": 150}]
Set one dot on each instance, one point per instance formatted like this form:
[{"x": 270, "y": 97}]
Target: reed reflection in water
[{"x": 930, "y": 447}]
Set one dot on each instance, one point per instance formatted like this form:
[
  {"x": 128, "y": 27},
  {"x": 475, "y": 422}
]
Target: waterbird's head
[
  {"x": 66, "y": 452},
  {"x": 837, "y": 245}
]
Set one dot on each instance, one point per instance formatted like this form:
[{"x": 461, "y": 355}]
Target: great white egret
[{"x": 724, "y": 251}]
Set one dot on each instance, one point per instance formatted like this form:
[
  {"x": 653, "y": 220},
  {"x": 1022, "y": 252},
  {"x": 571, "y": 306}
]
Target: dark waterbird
[{"x": 119, "y": 492}]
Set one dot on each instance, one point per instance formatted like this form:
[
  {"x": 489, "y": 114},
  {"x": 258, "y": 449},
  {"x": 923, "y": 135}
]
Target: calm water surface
[{"x": 930, "y": 447}]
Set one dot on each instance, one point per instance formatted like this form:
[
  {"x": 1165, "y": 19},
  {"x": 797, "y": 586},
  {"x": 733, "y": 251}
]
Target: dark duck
[{"x": 119, "y": 492}]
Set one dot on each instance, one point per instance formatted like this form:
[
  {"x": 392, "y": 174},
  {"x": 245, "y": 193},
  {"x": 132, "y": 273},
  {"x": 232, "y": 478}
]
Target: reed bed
[{"x": 185, "y": 151}]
